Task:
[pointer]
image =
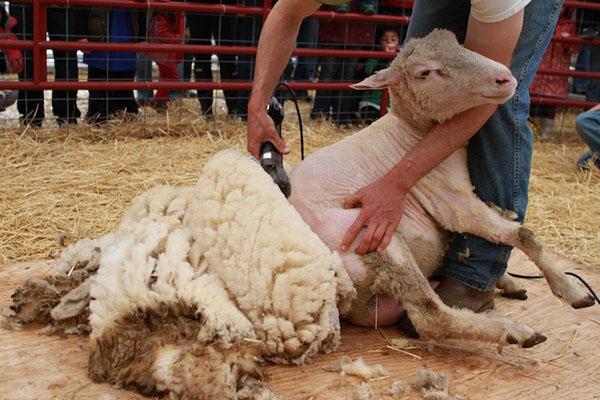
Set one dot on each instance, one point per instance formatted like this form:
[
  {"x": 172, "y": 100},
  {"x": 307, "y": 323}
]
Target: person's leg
[
  {"x": 248, "y": 31},
  {"x": 64, "y": 102},
  {"x": 168, "y": 72},
  {"x": 122, "y": 100},
  {"x": 588, "y": 127},
  {"x": 499, "y": 155},
  {"x": 30, "y": 103},
  {"x": 323, "y": 98},
  {"x": 200, "y": 32},
  {"x": 593, "y": 88},
  {"x": 582, "y": 64},
  {"x": 306, "y": 68},
  {"x": 143, "y": 73},
  {"x": 442, "y": 14},
  {"x": 347, "y": 101},
  {"x": 98, "y": 99},
  {"x": 225, "y": 31}
]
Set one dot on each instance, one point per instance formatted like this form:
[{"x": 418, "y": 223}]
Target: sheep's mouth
[{"x": 499, "y": 98}]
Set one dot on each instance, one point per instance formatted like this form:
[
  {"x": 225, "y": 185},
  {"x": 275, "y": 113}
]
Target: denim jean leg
[
  {"x": 593, "y": 88},
  {"x": 499, "y": 155},
  {"x": 588, "y": 127},
  {"x": 582, "y": 64},
  {"x": 442, "y": 14}
]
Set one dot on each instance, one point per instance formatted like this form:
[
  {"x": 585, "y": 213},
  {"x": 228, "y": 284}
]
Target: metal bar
[
  {"x": 576, "y": 40},
  {"x": 577, "y": 74},
  {"x": 266, "y": 10},
  {"x": 562, "y": 102},
  {"x": 216, "y": 9},
  {"x": 37, "y": 40},
  {"x": 175, "y": 85},
  {"x": 584, "y": 5},
  {"x": 204, "y": 49},
  {"x": 227, "y": 85}
]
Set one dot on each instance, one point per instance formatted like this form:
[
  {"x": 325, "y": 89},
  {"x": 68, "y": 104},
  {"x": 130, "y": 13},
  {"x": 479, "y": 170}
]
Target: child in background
[
  {"x": 166, "y": 27},
  {"x": 11, "y": 60},
  {"x": 370, "y": 103}
]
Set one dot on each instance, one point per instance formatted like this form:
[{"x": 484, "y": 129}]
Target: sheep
[
  {"x": 442, "y": 202},
  {"x": 198, "y": 285}
]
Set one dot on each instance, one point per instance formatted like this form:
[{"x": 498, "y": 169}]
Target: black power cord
[
  {"x": 566, "y": 273},
  {"x": 295, "y": 99}
]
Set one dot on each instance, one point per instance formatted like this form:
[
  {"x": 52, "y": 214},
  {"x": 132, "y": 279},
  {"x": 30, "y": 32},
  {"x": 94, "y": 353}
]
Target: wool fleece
[{"x": 198, "y": 284}]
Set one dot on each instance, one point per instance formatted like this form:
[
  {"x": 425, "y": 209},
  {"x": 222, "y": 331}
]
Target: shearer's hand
[
  {"x": 382, "y": 206},
  {"x": 261, "y": 129}
]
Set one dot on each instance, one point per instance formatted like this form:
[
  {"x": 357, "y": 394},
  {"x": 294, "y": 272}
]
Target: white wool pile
[
  {"x": 432, "y": 385},
  {"x": 364, "y": 392},
  {"x": 359, "y": 368},
  {"x": 232, "y": 248}
]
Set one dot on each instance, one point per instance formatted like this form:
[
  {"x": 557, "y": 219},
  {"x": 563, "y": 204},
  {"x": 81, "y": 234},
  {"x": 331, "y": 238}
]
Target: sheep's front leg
[
  {"x": 399, "y": 276},
  {"x": 468, "y": 214}
]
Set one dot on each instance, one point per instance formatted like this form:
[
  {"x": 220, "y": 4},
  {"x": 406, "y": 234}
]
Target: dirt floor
[{"x": 36, "y": 366}]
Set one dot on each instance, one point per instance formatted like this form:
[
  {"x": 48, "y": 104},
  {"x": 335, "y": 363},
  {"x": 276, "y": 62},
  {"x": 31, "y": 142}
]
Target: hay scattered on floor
[{"x": 60, "y": 186}]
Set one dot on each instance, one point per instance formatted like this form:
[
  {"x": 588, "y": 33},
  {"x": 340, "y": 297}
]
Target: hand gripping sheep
[{"x": 198, "y": 284}]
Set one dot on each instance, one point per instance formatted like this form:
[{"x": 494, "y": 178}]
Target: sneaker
[
  {"x": 583, "y": 164},
  {"x": 160, "y": 106},
  {"x": 368, "y": 9},
  {"x": 143, "y": 102},
  {"x": 342, "y": 8}
]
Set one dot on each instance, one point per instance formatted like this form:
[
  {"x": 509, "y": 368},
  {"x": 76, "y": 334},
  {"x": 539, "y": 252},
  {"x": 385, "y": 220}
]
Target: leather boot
[
  {"x": 453, "y": 294},
  {"x": 458, "y": 295}
]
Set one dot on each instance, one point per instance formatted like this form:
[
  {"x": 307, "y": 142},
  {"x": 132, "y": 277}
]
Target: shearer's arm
[
  {"x": 382, "y": 202},
  {"x": 275, "y": 46}
]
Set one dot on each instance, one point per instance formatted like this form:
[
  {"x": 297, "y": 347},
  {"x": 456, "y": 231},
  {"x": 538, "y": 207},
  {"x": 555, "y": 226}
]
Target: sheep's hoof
[
  {"x": 519, "y": 294},
  {"x": 587, "y": 301},
  {"x": 537, "y": 338}
]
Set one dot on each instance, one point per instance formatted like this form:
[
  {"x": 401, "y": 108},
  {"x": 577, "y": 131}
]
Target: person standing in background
[{"x": 61, "y": 25}]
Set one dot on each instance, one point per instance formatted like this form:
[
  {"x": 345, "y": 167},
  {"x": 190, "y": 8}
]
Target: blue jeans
[
  {"x": 499, "y": 155},
  {"x": 588, "y": 127}
]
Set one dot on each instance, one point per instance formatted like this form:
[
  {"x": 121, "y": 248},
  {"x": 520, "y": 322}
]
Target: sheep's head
[{"x": 435, "y": 78}]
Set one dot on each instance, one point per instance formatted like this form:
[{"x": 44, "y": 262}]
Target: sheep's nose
[{"x": 504, "y": 79}]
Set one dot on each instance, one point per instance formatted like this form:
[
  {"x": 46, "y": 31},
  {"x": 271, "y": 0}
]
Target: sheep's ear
[{"x": 380, "y": 80}]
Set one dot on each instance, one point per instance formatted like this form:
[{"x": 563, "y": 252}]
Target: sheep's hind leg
[{"x": 399, "y": 276}]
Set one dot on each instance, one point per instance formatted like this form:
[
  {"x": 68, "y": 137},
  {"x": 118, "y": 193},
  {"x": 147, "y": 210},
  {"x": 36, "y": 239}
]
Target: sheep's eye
[{"x": 424, "y": 73}]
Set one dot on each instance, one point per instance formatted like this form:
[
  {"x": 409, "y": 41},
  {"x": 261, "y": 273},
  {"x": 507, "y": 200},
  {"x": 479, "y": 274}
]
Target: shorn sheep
[
  {"x": 198, "y": 284},
  {"x": 430, "y": 80}
]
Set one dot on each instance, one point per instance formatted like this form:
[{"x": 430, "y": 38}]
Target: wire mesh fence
[{"x": 88, "y": 61}]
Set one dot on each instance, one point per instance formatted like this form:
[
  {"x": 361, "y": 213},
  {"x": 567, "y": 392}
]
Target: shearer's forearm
[
  {"x": 275, "y": 46},
  {"x": 438, "y": 144},
  {"x": 496, "y": 41}
]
